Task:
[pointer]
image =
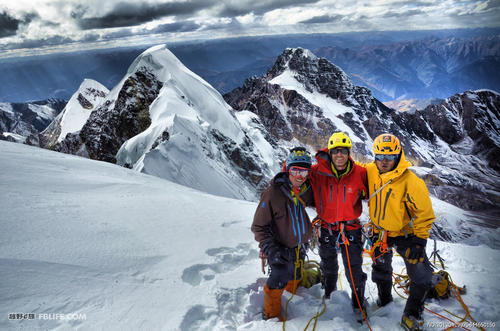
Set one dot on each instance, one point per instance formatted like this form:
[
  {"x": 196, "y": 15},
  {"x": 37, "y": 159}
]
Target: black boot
[
  {"x": 355, "y": 306},
  {"x": 415, "y": 303},
  {"x": 329, "y": 283},
  {"x": 361, "y": 296},
  {"x": 384, "y": 293}
]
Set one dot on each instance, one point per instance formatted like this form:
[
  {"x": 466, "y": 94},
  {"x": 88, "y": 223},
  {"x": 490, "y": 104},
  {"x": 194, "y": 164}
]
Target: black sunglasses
[
  {"x": 388, "y": 157},
  {"x": 344, "y": 151}
]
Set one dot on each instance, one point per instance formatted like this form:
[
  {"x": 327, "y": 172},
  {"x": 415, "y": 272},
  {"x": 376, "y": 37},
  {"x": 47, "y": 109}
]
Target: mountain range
[
  {"x": 393, "y": 64},
  {"x": 22, "y": 122},
  {"x": 162, "y": 119}
]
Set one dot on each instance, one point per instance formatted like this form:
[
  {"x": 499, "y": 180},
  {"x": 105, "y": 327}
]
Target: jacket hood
[{"x": 281, "y": 179}]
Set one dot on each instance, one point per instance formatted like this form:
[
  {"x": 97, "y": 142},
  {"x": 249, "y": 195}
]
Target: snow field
[{"x": 133, "y": 252}]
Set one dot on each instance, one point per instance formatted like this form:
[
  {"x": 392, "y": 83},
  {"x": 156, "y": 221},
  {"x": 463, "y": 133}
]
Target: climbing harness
[
  {"x": 380, "y": 243},
  {"x": 314, "y": 242}
]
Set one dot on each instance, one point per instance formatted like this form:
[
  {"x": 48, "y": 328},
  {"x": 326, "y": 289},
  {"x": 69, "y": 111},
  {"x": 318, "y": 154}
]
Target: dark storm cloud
[
  {"x": 130, "y": 14},
  {"x": 322, "y": 19},
  {"x": 8, "y": 25},
  {"x": 258, "y": 7}
]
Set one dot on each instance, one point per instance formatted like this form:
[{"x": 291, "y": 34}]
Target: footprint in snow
[{"x": 226, "y": 259}]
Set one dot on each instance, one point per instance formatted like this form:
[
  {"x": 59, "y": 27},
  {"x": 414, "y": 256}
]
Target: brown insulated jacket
[{"x": 278, "y": 217}]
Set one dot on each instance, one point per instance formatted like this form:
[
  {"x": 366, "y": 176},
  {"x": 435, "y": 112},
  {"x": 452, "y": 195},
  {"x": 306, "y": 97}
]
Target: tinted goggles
[
  {"x": 299, "y": 172},
  {"x": 388, "y": 157},
  {"x": 334, "y": 151}
]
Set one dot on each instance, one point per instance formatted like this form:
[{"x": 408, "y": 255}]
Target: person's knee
[
  {"x": 279, "y": 276},
  {"x": 381, "y": 274},
  {"x": 420, "y": 274}
]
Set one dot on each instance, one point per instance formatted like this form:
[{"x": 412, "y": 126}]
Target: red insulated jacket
[{"x": 338, "y": 199}]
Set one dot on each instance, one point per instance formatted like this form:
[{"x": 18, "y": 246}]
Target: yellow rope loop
[
  {"x": 315, "y": 317},
  {"x": 398, "y": 278}
]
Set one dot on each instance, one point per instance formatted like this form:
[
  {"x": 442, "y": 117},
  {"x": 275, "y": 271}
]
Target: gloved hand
[
  {"x": 273, "y": 252},
  {"x": 416, "y": 252}
]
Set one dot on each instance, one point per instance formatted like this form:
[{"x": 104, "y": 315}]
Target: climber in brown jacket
[{"x": 282, "y": 228}]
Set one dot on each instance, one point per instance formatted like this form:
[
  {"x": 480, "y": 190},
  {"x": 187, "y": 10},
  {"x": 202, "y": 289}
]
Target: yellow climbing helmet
[
  {"x": 386, "y": 143},
  {"x": 339, "y": 139}
]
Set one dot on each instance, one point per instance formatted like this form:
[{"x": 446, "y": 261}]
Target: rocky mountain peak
[
  {"x": 310, "y": 70},
  {"x": 84, "y": 101}
]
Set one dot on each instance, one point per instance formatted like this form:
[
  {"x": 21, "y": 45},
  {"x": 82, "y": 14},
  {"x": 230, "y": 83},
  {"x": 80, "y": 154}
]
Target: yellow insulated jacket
[{"x": 403, "y": 206}]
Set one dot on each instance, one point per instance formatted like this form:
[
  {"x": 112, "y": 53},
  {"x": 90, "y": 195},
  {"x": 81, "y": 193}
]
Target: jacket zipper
[
  {"x": 386, "y": 199},
  {"x": 344, "y": 194},
  {"x": 320, "y": 202}
]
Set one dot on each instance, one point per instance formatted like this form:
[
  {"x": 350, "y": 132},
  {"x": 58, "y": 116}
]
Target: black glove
[
  {"x": 416, "y": 252},
  {"x": 273, "y": 252}
]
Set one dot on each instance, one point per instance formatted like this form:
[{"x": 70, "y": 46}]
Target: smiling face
[
  {"x": 297, "y": 176},
  {"x": 339, "y": 156}
]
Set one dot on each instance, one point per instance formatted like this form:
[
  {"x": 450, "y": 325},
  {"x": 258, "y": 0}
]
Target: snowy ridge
[
  {"x": 194, "y": 138},
  {"x": 135, "y": 252},
  {"x": 182, "y": 83}
]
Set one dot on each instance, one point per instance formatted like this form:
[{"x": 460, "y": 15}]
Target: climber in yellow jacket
[{"x": 401, "y": 216}]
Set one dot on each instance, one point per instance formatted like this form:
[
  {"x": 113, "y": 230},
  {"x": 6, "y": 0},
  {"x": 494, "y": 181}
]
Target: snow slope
[{"x": 130, "y": 251}]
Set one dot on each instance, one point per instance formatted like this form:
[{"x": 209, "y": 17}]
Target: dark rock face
[
  {"x": 112, "y": 123},
  {"x": 257, "y": 96},
  {"x": 470, "y": 114},
  {"x": 243, "y": 158},
  {"x": 84, "y": 102}
]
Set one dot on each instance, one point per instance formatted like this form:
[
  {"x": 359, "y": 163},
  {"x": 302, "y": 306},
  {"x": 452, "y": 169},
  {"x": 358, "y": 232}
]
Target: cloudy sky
[{"x": 58, "y": 24}]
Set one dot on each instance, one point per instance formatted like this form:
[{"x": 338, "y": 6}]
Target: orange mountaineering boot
[
  {"x": 292, "y": 286},
  {"x": 272, "y": 303}
]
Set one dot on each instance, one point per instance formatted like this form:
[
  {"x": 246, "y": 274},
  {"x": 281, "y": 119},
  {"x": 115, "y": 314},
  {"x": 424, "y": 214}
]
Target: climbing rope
[
  {"x": 403, "y": 280},
  {"x": 318, "y": 314},
  {"x": 352, "y": 279}
]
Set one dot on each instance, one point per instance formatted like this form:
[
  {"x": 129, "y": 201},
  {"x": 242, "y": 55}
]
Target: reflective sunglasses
[
  {"x": 388, "y": 157},
  {"x": 344, "y": 151},
  {"x": 298, "y": 172}
]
